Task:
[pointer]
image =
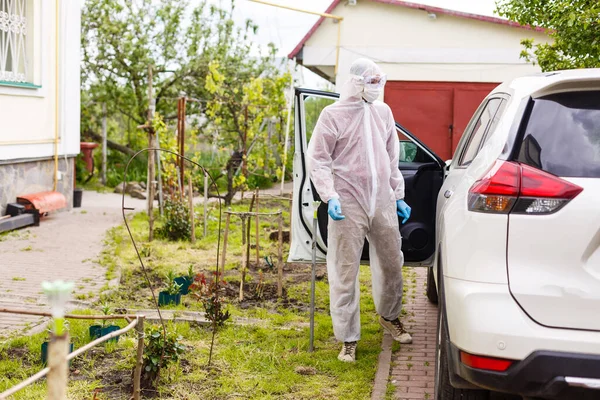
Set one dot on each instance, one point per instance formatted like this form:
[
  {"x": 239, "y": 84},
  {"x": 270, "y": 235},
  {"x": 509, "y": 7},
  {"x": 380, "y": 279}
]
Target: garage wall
[
  {"x": 436, "y": 112},
  {"x": 411, "y": 46}
]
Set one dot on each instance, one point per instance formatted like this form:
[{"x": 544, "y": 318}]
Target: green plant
[
  {"x": 172, "y": 286},
  {"x": 191, "y": 274},
  {"x": 160, "y": 352},
  {"x": 177, "y": 224},
  {"x": 105, "y": 311},
  {"x": 211, "y": 294}
]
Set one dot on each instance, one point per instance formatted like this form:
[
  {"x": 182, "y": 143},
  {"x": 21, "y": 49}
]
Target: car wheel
[
  {"x": 443, "y": 388},
  {"x": 432, "y": 293}
]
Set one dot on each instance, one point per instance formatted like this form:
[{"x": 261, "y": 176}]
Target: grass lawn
[{"x": 269, "y": 360}]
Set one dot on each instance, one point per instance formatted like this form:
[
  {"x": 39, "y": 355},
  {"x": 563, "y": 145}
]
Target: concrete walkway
[{"x": 65, "y": 246}]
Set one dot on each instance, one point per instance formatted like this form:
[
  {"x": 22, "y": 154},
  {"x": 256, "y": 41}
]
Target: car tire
[
  {"x": 432, "y": 293},
  {"x": 443, "y": 389}
]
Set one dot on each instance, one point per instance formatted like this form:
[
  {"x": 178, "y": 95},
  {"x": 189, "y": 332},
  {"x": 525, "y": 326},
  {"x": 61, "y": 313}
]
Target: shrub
[
  {"x": 177, "y": 225},
  {"x": 159, "y": 352}
]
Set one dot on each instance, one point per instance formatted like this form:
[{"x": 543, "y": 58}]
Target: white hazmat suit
[{"x": 353, "y": 156}]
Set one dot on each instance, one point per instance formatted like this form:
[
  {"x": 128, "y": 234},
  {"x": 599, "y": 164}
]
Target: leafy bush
[
  {"x": 177, "y": 225},
  {"x": 159, "y": 352}
]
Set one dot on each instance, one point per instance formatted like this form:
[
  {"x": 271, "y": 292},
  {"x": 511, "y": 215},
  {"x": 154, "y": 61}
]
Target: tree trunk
[{"x": 111, "y": 145}]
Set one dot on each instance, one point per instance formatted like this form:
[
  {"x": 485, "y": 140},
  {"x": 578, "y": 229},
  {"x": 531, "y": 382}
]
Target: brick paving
[
  {"x": 64, "y": 246},
  {"x": 413, "y": 366}
]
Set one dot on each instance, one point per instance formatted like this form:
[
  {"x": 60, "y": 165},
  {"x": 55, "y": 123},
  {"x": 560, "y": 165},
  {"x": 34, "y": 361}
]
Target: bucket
[{"x": 77, "y": 195}]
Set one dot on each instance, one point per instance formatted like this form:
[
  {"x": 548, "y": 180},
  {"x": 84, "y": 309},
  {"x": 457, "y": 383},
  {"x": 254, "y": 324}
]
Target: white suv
[{"x": 510, "y": 232}]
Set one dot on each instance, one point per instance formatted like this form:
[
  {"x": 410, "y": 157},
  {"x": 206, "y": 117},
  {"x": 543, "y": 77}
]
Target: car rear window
[{"x": 562, "y": 135}]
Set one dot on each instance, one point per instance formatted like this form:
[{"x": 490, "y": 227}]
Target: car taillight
[
  {"x": 517, "y": 188},
  {"x": 485, "y": 363}
]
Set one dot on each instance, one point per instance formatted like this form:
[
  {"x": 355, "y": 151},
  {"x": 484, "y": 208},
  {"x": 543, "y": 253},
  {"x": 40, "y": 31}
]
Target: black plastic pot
[
  {"x": 45, "y": 352},
  {"x": 77, "y": 196},
  {"x": 164, "y": 298},
  {"x": 185, "y": 283}
]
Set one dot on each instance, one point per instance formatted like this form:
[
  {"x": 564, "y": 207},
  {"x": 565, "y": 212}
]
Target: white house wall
[
  {"x": 412, "y": 46},
  {"x": 27, "y": 116}
]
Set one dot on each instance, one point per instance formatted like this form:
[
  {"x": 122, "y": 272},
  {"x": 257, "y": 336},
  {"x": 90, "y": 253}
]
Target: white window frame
[{"x": 20, "y": 23}]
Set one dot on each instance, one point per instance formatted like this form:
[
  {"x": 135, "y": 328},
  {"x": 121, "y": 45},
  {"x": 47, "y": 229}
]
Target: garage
[{"x": 436, "y": 112}]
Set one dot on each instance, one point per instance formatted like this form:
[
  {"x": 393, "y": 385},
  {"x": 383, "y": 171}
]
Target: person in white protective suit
[{"x": 353, "y": 163}]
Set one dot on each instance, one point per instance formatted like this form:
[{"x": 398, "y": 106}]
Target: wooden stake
[
  {"x": 247, "y": 232},
  {"x": 225, "y": 235},
  {"x": 205, "y": 201},
  {"x": 244, "y": 251},
  {"x": 137, "y": 375},
  {"x": 191, "y": 205},
  {"x": 280, "y": 257},
  {"x": 151, "y": 171},
  {"x": 58, "y": 349},
  {"x": 257, "y": 229}
]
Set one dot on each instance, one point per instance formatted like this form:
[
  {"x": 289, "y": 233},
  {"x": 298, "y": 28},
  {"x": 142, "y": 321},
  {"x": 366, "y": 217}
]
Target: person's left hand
[{"x": 403, "y": 210}]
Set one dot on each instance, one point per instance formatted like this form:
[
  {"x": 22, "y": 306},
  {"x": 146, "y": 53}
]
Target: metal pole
[
  {"x": 313, "y": 278},
  {"x": 104, "y": 143}
]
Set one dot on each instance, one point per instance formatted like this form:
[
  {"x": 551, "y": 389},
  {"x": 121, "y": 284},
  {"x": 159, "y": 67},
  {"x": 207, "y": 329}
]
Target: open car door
[{"x": 423, "y": 173}]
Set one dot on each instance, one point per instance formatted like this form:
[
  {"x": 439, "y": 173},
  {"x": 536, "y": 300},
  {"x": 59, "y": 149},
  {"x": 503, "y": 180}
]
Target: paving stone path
[{"x": 413, "y": 366}]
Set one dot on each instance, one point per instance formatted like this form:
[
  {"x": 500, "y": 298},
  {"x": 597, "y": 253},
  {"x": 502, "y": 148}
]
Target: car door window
[{"x": 477, "y": 133}]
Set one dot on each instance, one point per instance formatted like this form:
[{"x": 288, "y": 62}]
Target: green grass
[
  {"x": 20, "y": 357},
  {"x": 18, "y": 279},
  {"x": 249, "y": 361}
]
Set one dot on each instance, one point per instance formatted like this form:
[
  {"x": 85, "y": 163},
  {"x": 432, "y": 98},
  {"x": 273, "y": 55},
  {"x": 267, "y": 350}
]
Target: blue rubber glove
[
  {"x": 403, "y": 210},
  {"x": 334, "y": 208}
]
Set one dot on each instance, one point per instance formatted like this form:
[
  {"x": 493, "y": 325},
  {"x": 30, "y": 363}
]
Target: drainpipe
[{"x": 56, "y": 97}]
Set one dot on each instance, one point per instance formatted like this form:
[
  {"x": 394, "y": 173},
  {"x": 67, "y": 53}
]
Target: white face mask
[{"x": 371, "y": 94}]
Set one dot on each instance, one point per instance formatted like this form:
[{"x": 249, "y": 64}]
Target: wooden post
[
  {"x": 181, "y": 104},
  {"x": 151, "y": 172},
  {"x": 205, "y": 201},
  {"x": 58, "y": 349},
  {"x": 225, "y": 235},
  {"x": 247, "y": 232},
  {"x": 280, "y": 257},
  {"x": 191, "y": 205},
  {"x": 243, "y": 258},
  {"x": 104, "y": 143},
  {"x": 257, "y": 229},
  {"x": 137, "y": 375}
]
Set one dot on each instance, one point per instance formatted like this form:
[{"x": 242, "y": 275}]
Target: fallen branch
[{"x": 111, "y": 145}]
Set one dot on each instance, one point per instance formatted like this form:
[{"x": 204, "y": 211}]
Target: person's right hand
[{"x": 334, "y": 208}]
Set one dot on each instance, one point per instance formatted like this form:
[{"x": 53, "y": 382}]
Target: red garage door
[{"x": 436, "y": 112}]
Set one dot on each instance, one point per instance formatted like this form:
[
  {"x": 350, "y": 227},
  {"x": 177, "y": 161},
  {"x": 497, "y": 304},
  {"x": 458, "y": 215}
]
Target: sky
[{"x": 286, "y": 28}]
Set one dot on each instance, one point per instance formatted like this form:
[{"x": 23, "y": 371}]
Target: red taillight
[
  {"x": 518, "y": 188},
  {"x": 485, "y": 363},
  {"x": 536, "y": 183}
]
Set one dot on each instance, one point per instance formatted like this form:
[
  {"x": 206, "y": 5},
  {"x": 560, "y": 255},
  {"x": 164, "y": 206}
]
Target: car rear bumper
[
  {"x": 543, "y": 374},
  {"x": 483, "y": 319}
]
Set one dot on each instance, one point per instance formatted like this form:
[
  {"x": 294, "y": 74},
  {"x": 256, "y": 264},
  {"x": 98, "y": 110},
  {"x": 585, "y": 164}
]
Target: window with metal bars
[{"x": 14, "y": 65}]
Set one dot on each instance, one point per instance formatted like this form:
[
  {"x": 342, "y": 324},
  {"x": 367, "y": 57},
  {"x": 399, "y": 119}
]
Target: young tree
[{"x": 574, "y": 26}]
